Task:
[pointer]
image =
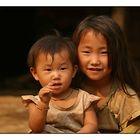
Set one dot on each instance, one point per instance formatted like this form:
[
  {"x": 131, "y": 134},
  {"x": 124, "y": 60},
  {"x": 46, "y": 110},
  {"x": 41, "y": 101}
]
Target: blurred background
[{"x": 20, "y": 27}]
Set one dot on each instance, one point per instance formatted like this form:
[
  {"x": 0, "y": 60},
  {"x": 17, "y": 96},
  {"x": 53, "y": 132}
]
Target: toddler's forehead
[
  {"x": 63, "y": 52},
  {"x": 57, "y": 56}
]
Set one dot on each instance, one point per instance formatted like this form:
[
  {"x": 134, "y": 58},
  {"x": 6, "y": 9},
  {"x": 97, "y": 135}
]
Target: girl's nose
[{"x": 95, "y": 60}]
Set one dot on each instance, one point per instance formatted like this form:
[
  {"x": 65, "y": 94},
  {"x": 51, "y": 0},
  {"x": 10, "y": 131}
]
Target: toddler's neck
[{"x": 63, "y": 96}]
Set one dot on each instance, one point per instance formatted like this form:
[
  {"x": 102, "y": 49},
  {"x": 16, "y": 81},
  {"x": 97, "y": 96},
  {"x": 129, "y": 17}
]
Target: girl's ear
[
  {"x": 34, "y": 73},
  {"x": 74, "y": 71}
]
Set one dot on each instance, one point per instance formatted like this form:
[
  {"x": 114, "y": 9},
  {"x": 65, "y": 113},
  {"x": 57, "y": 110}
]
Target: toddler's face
[
  {"x": 93, "y": 56},
  {"x": 57, "y": 69}
]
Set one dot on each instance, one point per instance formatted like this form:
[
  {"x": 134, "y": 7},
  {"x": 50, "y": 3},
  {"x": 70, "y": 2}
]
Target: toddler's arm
[
  {"x": 90, "y": 121},
  {"x": 38, "y": 112},
  {"x": 37, "y": 116}
]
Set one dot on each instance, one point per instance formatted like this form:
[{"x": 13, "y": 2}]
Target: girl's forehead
[
  {"x": 92, "y": 32},
  {"x": 91, "y": 35}
]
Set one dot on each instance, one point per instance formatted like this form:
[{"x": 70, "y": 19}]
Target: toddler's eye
[
  {"x": 63, "y": 68},
  {"x": 48, "y": 69}
]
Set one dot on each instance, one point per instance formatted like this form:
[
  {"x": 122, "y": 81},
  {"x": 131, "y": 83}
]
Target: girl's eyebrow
[
  {"x": 103, "y": 47},
  {"x": 100, "y": 47},
  {"x": 86, "y": 46}
]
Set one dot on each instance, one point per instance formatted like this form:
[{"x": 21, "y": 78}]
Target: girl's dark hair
[
  {"x": 123, "y": 70},
  {"x": 51, "y": 44}
]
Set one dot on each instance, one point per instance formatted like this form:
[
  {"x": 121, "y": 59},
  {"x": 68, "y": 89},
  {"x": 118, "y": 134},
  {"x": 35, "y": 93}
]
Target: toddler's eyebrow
[
  {"x": 61, "y": 64},
  {"x": 64, "y": 63}
]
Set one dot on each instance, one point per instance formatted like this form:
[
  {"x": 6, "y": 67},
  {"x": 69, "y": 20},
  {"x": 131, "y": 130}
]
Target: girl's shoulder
[
  {"x": 121, "y": 98},
  {"x": 126, "y": 106},
  {"x": 128, "y": 94}
]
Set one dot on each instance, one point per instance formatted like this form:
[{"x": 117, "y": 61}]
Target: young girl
[
  {"x": 58, "y": 108},
  {"x": 106, "y": 71}
]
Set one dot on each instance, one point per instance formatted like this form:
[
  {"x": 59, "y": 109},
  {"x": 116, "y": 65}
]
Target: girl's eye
[
  {"x": 85, "y": 52},
  {"x": 104, "y": 52}
]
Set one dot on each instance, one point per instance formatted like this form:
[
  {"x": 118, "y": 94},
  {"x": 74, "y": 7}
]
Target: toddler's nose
[{"x": 56, "y": 75}]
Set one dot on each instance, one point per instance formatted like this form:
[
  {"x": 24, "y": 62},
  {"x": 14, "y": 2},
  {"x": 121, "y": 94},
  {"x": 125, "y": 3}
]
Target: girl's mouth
[{"x": 95, "y": 69}]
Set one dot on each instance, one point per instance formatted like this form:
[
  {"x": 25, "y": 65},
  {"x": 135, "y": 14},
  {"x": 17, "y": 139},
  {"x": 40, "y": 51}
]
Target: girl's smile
[{"x": 93, "y": 55}]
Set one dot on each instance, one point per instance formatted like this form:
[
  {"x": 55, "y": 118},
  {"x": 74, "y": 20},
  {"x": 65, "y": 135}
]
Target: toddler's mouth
[{"x": 57, "y": 84}]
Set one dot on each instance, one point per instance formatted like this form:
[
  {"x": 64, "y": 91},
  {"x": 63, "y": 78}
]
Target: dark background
[{"x": 20, "y": 27}]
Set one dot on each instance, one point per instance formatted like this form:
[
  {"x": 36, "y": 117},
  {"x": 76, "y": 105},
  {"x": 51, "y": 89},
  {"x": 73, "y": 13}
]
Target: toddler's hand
[{"x": 45, "y": 94}]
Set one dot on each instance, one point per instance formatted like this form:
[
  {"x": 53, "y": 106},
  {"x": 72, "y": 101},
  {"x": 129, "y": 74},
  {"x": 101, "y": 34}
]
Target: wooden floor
[{"x": 13, "y": 115}]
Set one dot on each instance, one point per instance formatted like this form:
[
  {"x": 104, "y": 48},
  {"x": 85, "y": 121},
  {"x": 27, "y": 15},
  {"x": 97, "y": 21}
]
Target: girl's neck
[{"x": 100, "y": 88}]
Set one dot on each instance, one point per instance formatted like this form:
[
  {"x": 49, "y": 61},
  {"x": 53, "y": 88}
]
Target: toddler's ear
[
  {"x": 33, "y": 72},
  {"x": 74, "y": 71}
]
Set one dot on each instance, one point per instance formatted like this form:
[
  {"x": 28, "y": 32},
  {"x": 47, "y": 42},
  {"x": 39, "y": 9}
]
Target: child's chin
[{"x": 56, "y": 93}]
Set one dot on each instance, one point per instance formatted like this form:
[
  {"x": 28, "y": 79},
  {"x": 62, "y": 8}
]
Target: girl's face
[
  {"x": 57, "y": 70},
  {"x": 93, "y": 56}
]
